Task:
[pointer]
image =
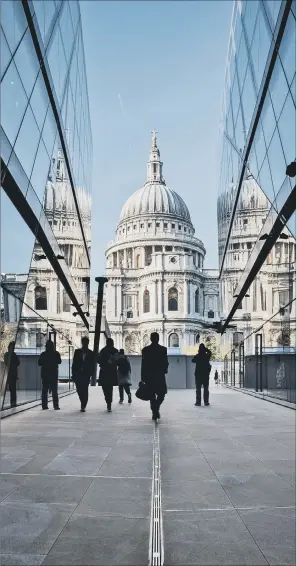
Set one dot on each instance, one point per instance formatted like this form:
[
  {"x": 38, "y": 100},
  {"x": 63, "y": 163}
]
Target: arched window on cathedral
[
  {"x": 173, "y": 340},
  {"x": 197, "y": 300},
  {"x": 146, "y": 301},
  {"x": 40, "y": 298},
  {"x": 66, "y": 302},
  {"x": 173, "y": 299},
  {"x": 197, "y": 339},
  {"x": 138, "y": 261},
  {"x": 210, "y": 314}
]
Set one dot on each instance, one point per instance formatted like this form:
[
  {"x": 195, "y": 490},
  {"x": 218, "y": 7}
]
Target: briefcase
[{"x": 143, "y": 392}]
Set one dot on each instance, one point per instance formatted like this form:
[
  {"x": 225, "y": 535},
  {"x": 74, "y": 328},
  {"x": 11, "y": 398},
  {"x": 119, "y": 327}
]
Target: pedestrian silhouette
[
  {"x": 82, "y": 370},
  {"x": 154, "y": 366},
  {"x": 216, "y": 377},
  {"x": 12, "y": 363},
  {"x": 124, "y": 376},
  {"x": 202, "y": 372},
  {"x": 49, "y": 362},
  {"x": 108, "y": 376}
]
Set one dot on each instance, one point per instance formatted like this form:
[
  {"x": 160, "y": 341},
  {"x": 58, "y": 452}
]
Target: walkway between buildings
[{"x": 76, "y": 488}]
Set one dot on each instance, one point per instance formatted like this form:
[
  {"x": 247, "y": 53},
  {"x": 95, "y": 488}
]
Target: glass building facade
[
  {"x": 256, "y": 197},
  {"x": 46, "y": 164}
]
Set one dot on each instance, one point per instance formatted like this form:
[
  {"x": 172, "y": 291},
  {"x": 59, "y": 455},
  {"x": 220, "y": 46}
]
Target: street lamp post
[{"x": 101, "y": 281}]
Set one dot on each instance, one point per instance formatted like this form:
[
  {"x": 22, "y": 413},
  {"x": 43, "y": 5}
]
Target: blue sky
[{"x": 155, "y": 65}]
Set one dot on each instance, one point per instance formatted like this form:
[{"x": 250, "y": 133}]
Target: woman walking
[{"x": 124, "y": 376}]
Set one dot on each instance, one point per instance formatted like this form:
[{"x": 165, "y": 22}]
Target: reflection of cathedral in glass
[
  {"x": 42, "y": 290},
  {"x": 273, "y": 287}
]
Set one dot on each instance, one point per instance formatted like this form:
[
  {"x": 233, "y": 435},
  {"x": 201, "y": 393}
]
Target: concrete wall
[{"x": 180, "y": 372}]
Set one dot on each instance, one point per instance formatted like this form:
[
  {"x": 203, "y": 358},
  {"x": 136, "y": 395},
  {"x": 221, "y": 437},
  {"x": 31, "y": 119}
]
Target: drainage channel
[{"x": 156, "y": 544}]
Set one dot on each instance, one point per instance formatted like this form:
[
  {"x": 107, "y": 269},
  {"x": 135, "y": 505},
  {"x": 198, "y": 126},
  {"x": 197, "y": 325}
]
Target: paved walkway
[{"x": 76, "y": 488}]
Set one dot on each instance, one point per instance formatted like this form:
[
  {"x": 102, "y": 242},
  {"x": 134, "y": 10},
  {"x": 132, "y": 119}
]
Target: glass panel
[
  {"x": 75, "y": 12},
  {"x": 39, "y": 101},
  {"x": 49, "y": 131},
  {"x": 277, "y": 162},
  {"x": 13, "y": 103},
  {"x": 13, "y": 22},
  {"x": 250, "y": 14},
  {"x": 66, "y": 30},
  {"x": 272, "y": 8},
  {"x": 242, "y": 60},
  {"x": 40, "y": 171},
  {"x": 293, "y": 89},
  {"x": 287, "y": 130},
  {"x": 27, "y": 62},
  {"x": 265, "y": 180},
  {"x": 268, "y": 119},
  {"x": 17, "y": 240},
  {"x": 248, "y": 100},
  {"x": 278, "y": 88},
  {"x": 287, "y": 51},
  {"x": 39, "y": 8},
  {"x": 18, "y": 173},
  {"x": 259, "y": 144},
  {"x": 57, "y": 64},
  {"x": 27, "y": 142},
  {"x": 260, "y": 47},
  {"x": 4, "y": 54}
]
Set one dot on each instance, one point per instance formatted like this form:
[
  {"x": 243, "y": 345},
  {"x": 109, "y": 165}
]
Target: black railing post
[
  {"x": 101, "y": 281},
  {"x": 258, "y": 352}
]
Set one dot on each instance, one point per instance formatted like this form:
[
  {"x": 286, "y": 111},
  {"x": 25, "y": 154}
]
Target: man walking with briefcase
[{"x": 154, "y": 366}]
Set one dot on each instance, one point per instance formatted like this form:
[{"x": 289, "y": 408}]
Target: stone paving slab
[{"x": 76, "y": 488}]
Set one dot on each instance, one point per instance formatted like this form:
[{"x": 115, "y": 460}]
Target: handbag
[{"x": 143, "y": 391}]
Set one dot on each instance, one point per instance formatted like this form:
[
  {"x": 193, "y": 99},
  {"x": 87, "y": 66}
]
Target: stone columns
[
  {"x": 156, "y": 296},
  {"x": 119, "y": 300},
  {"x": 125, "y": 258},
  {"x": 185, "y": 297}
]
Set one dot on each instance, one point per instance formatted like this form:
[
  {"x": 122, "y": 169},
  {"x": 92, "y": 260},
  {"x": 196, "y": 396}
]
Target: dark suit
[
  {"x": 12, "y": 360},
  {"x": 154, "y": 366},
  {"x": 202, "y": 372},
  {"x": 108, "y": 376},
  {"x": 82, "y": 370},
  {"x": 49, "y": 362}
]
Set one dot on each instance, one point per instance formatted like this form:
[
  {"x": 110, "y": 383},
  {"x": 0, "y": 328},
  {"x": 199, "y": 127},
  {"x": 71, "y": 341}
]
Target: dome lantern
[{"x": 155, "y": 165}]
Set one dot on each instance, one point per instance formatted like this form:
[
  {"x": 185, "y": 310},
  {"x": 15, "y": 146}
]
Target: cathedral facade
[{"x": 155, "y": 269}]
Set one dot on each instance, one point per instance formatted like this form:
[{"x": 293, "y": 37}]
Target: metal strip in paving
[{"x": 156, "y": 542}]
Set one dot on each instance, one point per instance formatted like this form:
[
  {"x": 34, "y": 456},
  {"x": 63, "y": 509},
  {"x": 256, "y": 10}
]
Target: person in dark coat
[
  {"x": 202, "y": 372},
  {"x": 154, "y": 366},
  {"x": 216, "y": 377},
  {"x": 108, "y": 376},
  {"x": 49, "y": 362},
  {"x": 12, "y": 363},
  {"x": 124, "y": 376},
  {"x": 82, "y": 371}
]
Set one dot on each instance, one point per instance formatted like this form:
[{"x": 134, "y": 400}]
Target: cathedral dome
[
  {"x": 58, "y": 196},
  {"x": 251, "y": 198},
  {"x": 154, "y": 197}
]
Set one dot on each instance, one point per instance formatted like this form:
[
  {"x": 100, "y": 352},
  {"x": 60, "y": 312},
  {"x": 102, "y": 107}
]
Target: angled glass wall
[
  {"x": 46, "y": 164},
  {"x": 258, "y": 143}
]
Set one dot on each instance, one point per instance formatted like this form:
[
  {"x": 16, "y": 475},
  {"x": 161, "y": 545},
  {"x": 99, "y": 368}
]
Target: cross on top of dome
[{"x": 154, "y": 139}]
